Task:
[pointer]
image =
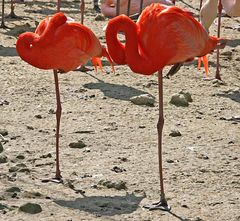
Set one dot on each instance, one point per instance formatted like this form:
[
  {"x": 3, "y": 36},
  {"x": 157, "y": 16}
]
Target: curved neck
[
  {"x": 132, "y": 53},
  {"x": 24, "y": 46}
]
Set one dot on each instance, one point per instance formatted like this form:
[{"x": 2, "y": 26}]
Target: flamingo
[
  {"x": 111, "y": 8},
  {"x": 163, "y": 35},
  {"x": 209, "y": 12},
  {"x": 60, "y": 45}
]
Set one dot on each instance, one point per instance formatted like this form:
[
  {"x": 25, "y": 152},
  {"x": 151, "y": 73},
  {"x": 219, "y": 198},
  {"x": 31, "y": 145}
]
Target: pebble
[
  {"x": 187, "y": 95},
  {"x": 4, "y": 102},
  {"x": 20, "y": 157},
  {"x": 143, "y": 99},
  {"x": 117, "y": 169},
  {"x": 13, "y": 189},
  {"x": 31, "y": 208},
  {"x": 38, "y": 116},
  {"x": 3, "y": 158},
  {"x": 175, "y": 133},
  {"x": 80, "y": 144},
  {"x": 119, "y": 185},
  {"x": 3, "y": 132},
  {"x": 179, "y": 100},
  {"x": 2, "y": 206}
]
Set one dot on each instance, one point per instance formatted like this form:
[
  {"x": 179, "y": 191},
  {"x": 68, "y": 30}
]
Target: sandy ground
[{"x": 201, "y": 167}]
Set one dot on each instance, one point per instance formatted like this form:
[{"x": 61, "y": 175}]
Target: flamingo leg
[
  {"x": 58, "y": 5},
  {"x": 217, "y": 76},
  {"x": 2, "y": 22},
  {"x": 162, "y": 204},
  {"x": 58, "y": 176},
  {"x": 200, "y": 5},
  {"x": 12, "y": 13},
  {"x": 82, "y": 8},
  {"x": 118, "y": 8}
]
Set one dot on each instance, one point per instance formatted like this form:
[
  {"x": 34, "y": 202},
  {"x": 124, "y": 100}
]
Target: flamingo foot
[
  {"x": 83, "y": 69},
  {"x": 12, "y": 15},
  {"x": 161, "y": 205},
  {"x": 53, "y": 180}
]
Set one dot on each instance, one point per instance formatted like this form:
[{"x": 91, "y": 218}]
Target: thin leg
[
  {"x": 118, "y": 8},
  {"x": 82, "y": 8},
  {"x": 217, "y": 76},
  {"x": 141, "y": 7},
  {"x": 96, "y": 6},
  {"x": 200, "y": 5},
  {"x": 58, "y": 117},
  {"x": 58, "y": 177},
  {"x": 128, "y": 7},
  {"x": 12, "y": 13},
  {"x": 173, "y": 1},
  {"x": 162, "y": 204},
  {"x": 3, "y": 23},
  {"x": 58, "y": 5}
]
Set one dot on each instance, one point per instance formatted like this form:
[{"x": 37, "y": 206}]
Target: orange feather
[{"x": 163, "y": 35}]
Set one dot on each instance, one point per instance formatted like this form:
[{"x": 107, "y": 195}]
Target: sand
[{"x": 201, "y": 167}]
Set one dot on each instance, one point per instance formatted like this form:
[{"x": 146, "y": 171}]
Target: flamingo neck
[{"x": 131, "y": 53}]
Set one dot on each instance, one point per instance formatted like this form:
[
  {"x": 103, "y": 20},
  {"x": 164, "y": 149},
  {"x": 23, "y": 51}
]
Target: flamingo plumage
[
  {"x": 63, "y": 46},
  {"x": 163, "y": 35},
  {"x": 109, "y": 7}
]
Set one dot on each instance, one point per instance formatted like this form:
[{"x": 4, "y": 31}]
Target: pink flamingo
[
  {"x": 109, "y": 8},
  {"x": 209, "y": 12}
]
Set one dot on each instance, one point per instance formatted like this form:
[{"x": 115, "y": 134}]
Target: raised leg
[
  {"x": 217, "y": 76},
  {"x": 162, "y": 204}
]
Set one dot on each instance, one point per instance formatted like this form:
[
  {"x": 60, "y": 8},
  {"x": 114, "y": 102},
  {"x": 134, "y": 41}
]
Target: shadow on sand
[
  {"x": 116, "y": 91},
  {"x": 104, "y": 205}
]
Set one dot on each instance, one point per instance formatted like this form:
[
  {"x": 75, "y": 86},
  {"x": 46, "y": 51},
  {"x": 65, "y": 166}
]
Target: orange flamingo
[
  {"x": 62, "y": 46},
  {"x": 209, "y": 12},
  {"x": 127, "y": 7},
  {"x": 163, "y": 35}
]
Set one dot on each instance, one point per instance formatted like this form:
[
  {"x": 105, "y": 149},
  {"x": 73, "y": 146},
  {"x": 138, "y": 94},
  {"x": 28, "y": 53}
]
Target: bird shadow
[
  {"x": 179, "y": 217},
  {"x": 104, "y": 205},
  {"x": 233, "y": 95},
  {"x": 116, "y": 91},
  {"x": 8, "y": 51},
  {"x": 233, "y": 42}
]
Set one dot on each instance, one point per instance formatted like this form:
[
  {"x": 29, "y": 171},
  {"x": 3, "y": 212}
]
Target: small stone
[
  {"x": 120, "y": 185},
  {"x": 80, "y": 144},
  {"x": 31, "y": 208},
  {"x": 179, "y": 100},
  {"x": 38, "y": 116},
  {"x": 187, "y": 95},
  {"x": 48, "y": 155},
  {"x": 13, "y": 189},
  {"x": 20, "y": 157},
  {"x": 117, "y": 169},
  {"x": 99, "y": 17},
  {"x": 175, "y": 133},
  {"x": 30, "y": 128},
  {"x": 143, "y": 99},
  {"x": 3, "y": 158},
  {"x": 3, "y": 132},
  {"x": 170, "y": 161},
  {"x": 2, "y": 206}
]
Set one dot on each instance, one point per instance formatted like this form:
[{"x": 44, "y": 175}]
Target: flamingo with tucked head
[
  {"x": 60, "y": 45},
  {"x": 163, "y": 35}
]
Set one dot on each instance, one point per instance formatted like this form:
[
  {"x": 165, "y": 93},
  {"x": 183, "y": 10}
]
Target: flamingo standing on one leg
[
  {"x": 163, "y": 35},
  {"x": 62, "y": 46},
  {"x": 213, "y": 8}
]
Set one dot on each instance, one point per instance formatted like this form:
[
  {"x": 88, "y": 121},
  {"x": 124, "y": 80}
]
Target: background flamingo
[
  {"x": 163, "y": 35},
  {"x": 62, "y": 46},
  {"x": 210, "y": 10},
  {"x": 127, "y": 7}
]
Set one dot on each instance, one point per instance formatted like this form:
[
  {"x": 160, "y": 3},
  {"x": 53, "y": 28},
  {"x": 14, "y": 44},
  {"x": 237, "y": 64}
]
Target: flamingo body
[
  {"x": 58, "y": 44},
  {"x": 163, "y": 35},
  {"x": 108, "y": 7}
]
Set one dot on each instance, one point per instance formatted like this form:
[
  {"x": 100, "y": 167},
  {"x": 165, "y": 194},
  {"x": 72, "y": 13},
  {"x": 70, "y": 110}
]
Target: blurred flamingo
[
  {"x": 209, "y": 12},
  {"x": 127, "y": 7},
  {"x": 60, "y": 45},
  {"x": 163, "y": 35}
]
